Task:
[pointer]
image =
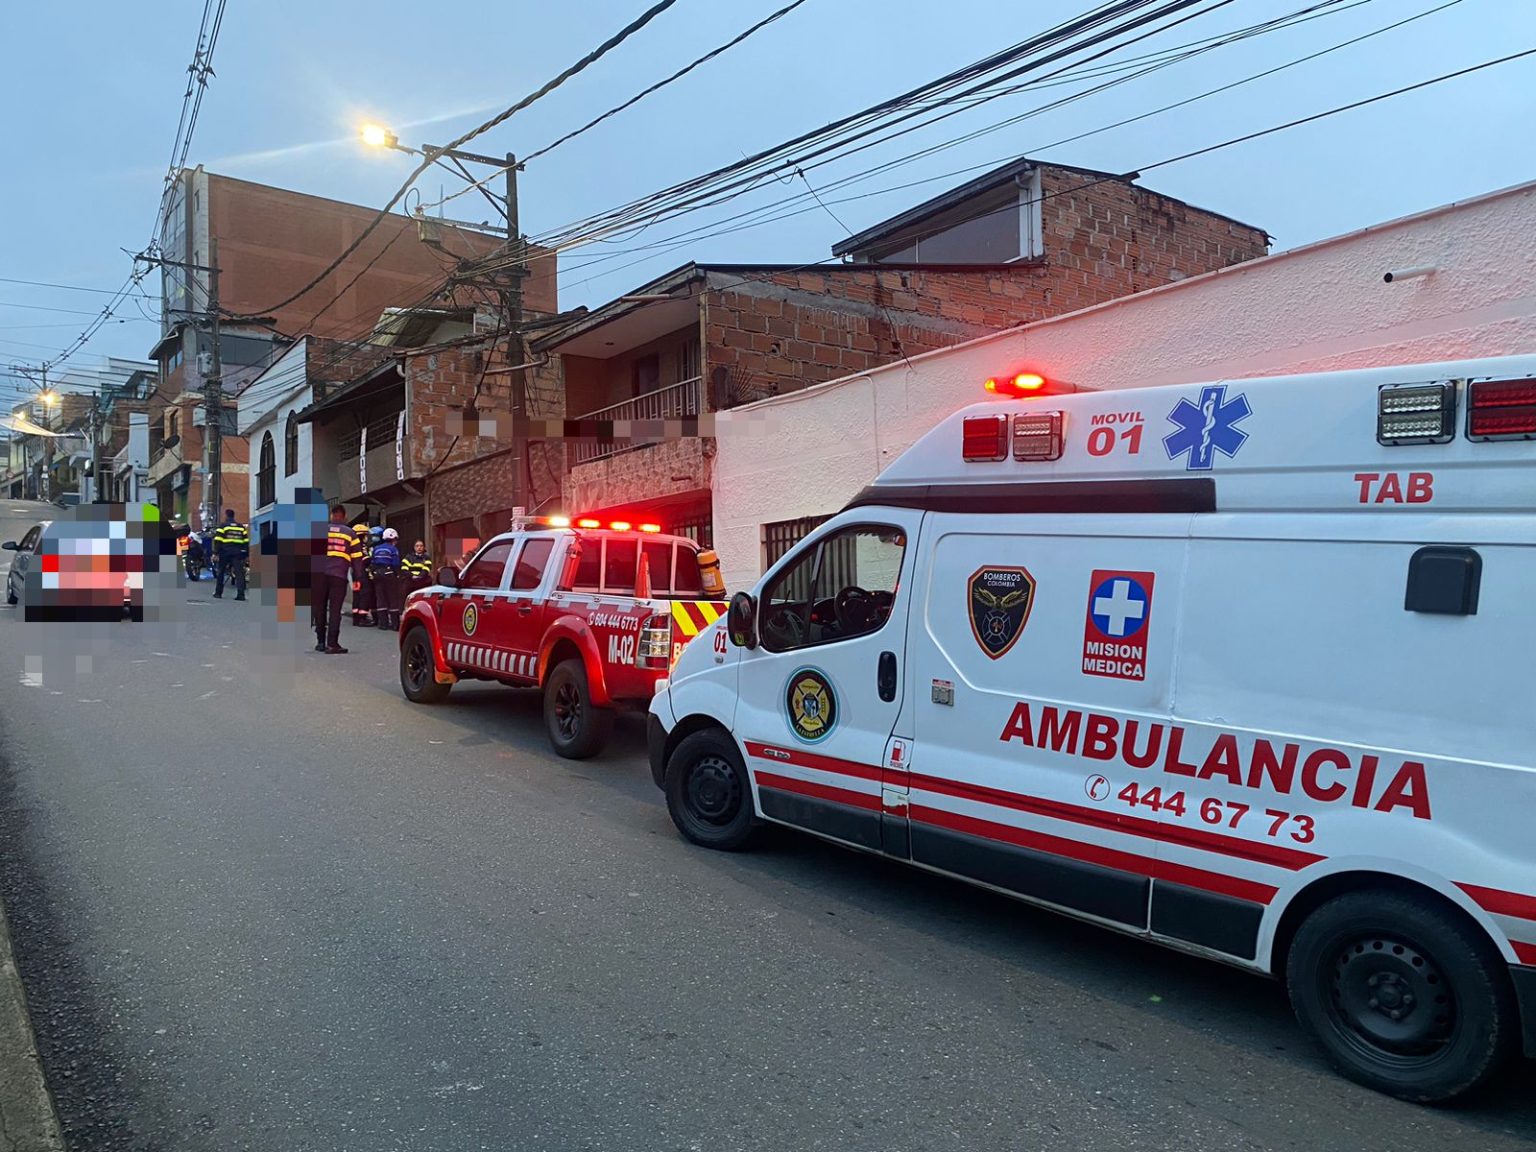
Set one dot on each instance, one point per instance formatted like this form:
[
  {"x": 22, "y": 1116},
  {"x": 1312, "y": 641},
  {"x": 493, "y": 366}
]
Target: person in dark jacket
[
  {"x": 389, "y": 588},
  {"x": 337, "y": 563},
  {"x": 362, "y": 587},
  {"x": 417, "y": 568}
]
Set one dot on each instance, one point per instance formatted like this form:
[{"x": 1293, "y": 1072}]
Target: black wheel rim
[
  {"x": 567, "y": 711},
  {"x": 1389, "y": 1000},
  {"x": 418, "y": 662},
  {"x": 712, "y": 791}
]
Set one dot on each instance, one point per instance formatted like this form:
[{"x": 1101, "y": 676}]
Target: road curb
[{"x": 27, "y": 1119}]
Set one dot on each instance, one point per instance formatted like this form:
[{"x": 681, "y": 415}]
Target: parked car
[
  {"x": 22, "y": 562},
  {"x": 80, "y": 569}
]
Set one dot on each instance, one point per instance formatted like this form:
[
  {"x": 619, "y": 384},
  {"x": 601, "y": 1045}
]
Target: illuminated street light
[
  {"x": 49, "y": 397},
  {"x": 377, "y": 136}
]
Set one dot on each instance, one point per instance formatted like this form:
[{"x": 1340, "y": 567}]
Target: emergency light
[
  {"x": 985, "y": 437},
  {"x": 1416, "y": 413},
  {"x": 1022, "y": 384},
  {"x": 1501, "y": 410},
  {"x": 588, "y": 522},
  {"x": 1037, "y": 436}
]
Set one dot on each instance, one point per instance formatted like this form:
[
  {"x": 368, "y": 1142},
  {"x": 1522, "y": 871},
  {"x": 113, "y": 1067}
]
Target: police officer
[
  {"x": 417, "y": 568},
  {"x": 337, "y": 563},
  {"x": 388, "y": 587},
  {"x": 231, "y": 549},
  {"x": 362, "y": 585}
]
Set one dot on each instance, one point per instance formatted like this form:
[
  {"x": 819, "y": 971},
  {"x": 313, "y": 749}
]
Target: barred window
[{"x": 266, "y": 473}]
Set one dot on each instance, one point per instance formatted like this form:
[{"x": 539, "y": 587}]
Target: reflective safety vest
[
  {"x": 235, "y": 536},
  {"x": 414, "y": 565},
  {"x": 342, "y": 551}
]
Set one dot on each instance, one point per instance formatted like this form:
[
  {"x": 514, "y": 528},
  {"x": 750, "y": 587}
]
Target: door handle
[
  {"x": 885, "y": 679},
  {"x": 525, "y": 609}
]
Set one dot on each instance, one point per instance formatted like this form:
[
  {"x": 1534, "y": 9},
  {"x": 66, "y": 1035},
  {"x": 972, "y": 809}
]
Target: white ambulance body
[{"x": 1245, "y": 668}]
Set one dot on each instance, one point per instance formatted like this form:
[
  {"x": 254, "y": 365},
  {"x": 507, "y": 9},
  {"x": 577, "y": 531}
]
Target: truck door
[
  {"x": 820, "y": 695},
  {"x": 468, "y": 616},
  {"x": 522, "y": 630}
]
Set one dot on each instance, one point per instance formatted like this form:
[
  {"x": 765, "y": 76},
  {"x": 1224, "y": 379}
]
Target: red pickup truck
[{"x": 593, "y": 615}]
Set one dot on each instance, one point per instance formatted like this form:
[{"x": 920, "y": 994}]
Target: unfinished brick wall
[
  {"x": 441, "y": 385},
  {"x": 1109, "y": 238}
]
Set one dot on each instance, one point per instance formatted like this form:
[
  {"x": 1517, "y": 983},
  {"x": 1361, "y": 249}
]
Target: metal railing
[{"x": 674, "y": 402}]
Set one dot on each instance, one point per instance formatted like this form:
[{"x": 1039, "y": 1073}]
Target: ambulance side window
[{"x": 840, "y": 589}]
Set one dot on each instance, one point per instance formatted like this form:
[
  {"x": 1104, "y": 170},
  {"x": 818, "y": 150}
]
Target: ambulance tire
[
  {"x": 1365, "y": 955},
  {"x": 577, "y": 728},
  {"x": 418, "y": 670},
  {"x": 708, "y": 795}
]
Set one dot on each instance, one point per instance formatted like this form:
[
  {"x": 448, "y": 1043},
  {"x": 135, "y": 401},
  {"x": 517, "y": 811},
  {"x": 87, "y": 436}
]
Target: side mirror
[
  {"x": 448, "y": 576},
  {"x": 741, "y": 620},
  {"x": 9, "y": 546}
]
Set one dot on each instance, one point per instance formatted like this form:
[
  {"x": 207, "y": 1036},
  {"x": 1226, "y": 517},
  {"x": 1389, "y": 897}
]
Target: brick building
[
  {"x": 1022, "y": 243},
  {"x": 269, "y": 243}
]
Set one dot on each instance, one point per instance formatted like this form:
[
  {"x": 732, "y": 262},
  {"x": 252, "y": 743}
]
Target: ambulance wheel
[
  {"x": 577, "y": 728},
  {"x": 418, "y": 670},
  {"x": 708, "y": 795},
  {"x": 1403, "y": 997}
]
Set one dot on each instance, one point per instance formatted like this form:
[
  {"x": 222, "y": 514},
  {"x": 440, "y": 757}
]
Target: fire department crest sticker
[
  {"x": 471, "y": 618},
  {"x": 811, "y": 705},
  {"x": 1000, "y": 600}
]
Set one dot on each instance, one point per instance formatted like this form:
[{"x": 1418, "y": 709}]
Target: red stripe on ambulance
[
  {"x": 865, "y": 800},
  {"x": 811, "y": 760},
  {"x": 1502, "y": 903}
]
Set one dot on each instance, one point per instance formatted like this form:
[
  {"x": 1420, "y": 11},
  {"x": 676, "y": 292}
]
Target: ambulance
[{"x": 1243, "y": 668}]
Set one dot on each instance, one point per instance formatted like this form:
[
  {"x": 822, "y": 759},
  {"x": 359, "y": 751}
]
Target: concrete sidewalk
[{"x": 27, "y": 1120}]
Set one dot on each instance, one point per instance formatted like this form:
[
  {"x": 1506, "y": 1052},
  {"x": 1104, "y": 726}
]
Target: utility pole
[
  {"x": 523, "y": 490},
  {"x": 45, "y": 490},
  {"x": 213, "y": 395}
]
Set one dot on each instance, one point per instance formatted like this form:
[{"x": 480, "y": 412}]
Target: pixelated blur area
[
  {"x": 474, "y": 423},
  {"x": 102, "y": 563}
]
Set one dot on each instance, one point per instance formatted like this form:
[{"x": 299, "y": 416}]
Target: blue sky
[{"x": 93, "y": 90}]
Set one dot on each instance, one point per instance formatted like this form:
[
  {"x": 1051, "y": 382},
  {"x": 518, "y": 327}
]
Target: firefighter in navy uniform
[
  {"x": 388, "y": 584},
  {"x": 416, "y": 568},
  {"x": 231, "y": 549},
  {"x": 337, "y": 563},
  {"x": 362, "y": 586}
]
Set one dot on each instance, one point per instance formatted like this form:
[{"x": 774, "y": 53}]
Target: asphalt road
[{"x": 260, "y": 902}]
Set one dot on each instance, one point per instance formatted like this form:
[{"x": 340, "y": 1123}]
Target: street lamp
[{"x": 377, "y": 136}]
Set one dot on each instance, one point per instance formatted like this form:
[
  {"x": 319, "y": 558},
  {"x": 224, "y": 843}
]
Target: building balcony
[
  {"x": 162, "y": 464},
  {"x": 650, "y": 410}
]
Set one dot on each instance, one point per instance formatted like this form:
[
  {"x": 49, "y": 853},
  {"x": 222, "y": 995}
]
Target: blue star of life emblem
[{"x": 1207, "y": 428}]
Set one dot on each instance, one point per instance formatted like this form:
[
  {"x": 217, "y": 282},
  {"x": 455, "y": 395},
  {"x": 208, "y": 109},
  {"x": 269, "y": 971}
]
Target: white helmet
[{"x": 391, "y": 534}]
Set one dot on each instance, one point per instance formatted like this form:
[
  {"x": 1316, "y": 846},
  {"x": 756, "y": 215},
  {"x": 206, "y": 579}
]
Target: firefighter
[
  {"x": 417, "y": 568},
  {"x": 231, "y": 549},
  {"x": 337, "y": 562},
  {"x": 362, "y": 586},
  {"x": 389, "y": 588}
]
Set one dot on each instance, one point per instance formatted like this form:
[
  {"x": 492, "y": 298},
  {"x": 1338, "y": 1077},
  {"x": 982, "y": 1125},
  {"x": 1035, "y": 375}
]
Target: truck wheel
[
  {"x": 418, "y": 679},
  {"x": 1401, "y": 995},
  {"x": 708, "y": 794},
  {"x": 577, "y": 728}
]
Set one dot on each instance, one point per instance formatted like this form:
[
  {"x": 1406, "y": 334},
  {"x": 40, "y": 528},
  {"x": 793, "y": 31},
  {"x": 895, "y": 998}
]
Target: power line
[
  {"x": 501, "y": 117},
  {"x": 62, "y": 287}
]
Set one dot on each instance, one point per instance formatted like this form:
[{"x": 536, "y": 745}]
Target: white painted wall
[
  {"x": 264, "y": 407},
  {"x": 1315, "y": 308}
]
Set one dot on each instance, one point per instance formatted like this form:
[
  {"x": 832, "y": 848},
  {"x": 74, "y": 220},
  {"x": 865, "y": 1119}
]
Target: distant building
[
  {"x": 269, "y": 243},
  {"x": 1021, "y": 243}
]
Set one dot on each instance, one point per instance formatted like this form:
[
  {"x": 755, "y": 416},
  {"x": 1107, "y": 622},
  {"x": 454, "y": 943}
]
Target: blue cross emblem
[{"x": 1207, "y": 428}]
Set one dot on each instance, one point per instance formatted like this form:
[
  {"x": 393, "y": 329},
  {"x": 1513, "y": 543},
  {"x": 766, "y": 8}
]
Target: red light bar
[
  {"x": 650, "y": 527},
  {"x": 1022, "y": 384},
  {"x": 985, "y": 437},
  {"x": 588, "y": 522},
  {"x": 620, "y": 525},
  {"x": 1501, "y": 410}
]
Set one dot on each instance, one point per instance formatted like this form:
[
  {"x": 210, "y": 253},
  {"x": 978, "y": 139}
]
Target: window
[
  {"x": 646, "y": 374},
  {"x": 658, "y": 565},
  {"x": 688, "y": 359},
  {"x": 686, "y": 580},
  {"x": 29, "y": 541},
  {"x": 291, "y": 445},
  {"x": 485, "y": 570},
  {"x": 589, "y": 569},
  {"x": 840, "y": 588},
  {"x": 780, "y": 537},
  {"x": 266, "y": 473},
  {"x": 621, "y": 557},
  {"x": 531, "y": 564}
]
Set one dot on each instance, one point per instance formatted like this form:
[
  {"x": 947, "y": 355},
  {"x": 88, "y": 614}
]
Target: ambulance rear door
[
  {"x": 1038, "y": 645},
  {"x": 821, "y": 693}
]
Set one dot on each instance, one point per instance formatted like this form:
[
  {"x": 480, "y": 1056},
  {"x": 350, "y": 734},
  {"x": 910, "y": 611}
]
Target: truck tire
[
  {"x": 418, "y": 678},
  {"x": 1402, "y": 995},
  {"x": 577, "y": 728},
  {"x": 708, "y": 794}
]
